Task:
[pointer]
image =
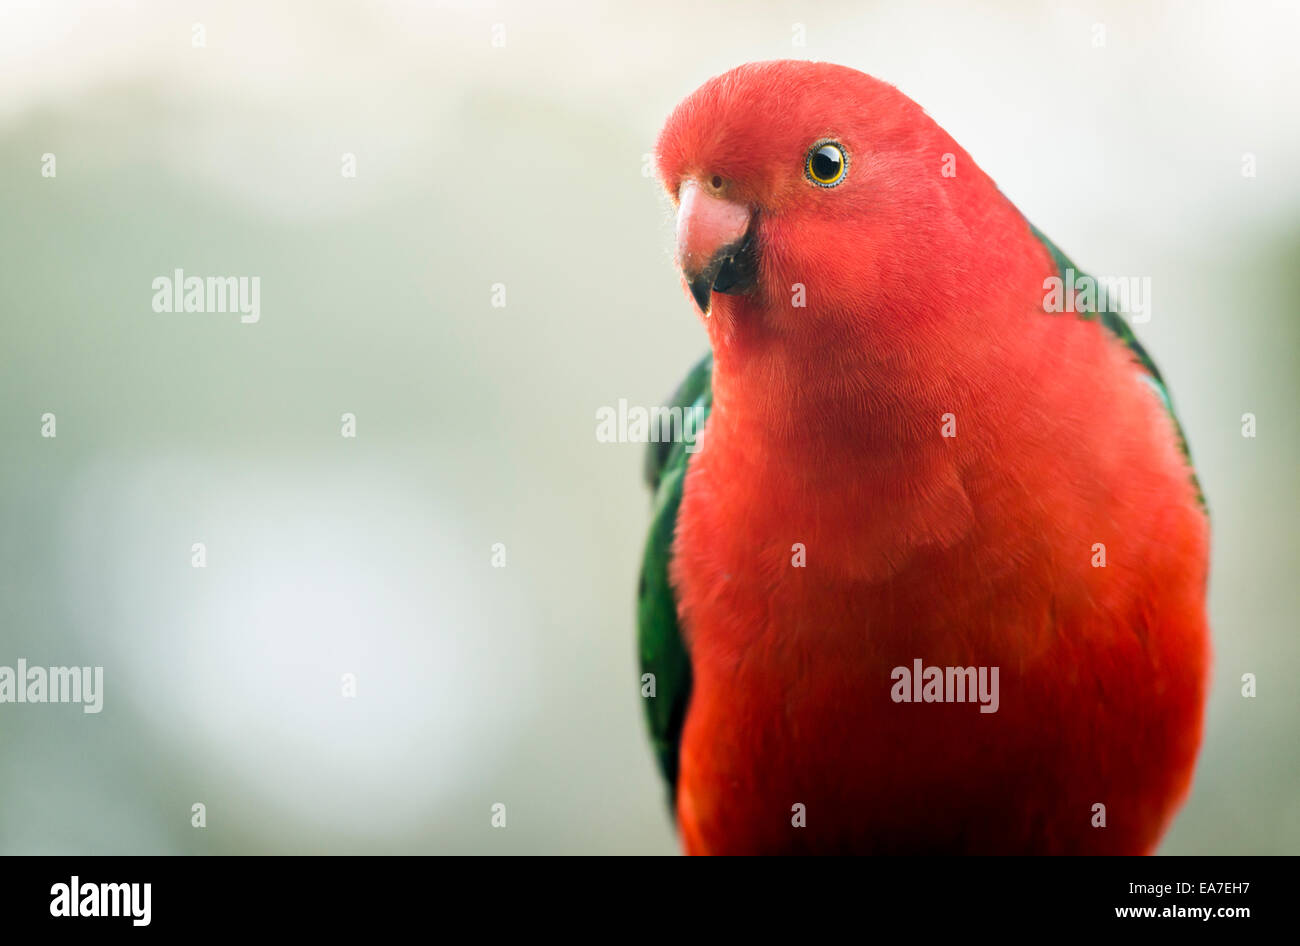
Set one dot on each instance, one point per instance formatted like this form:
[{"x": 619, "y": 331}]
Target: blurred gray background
[{"x": 520, "y": 164}]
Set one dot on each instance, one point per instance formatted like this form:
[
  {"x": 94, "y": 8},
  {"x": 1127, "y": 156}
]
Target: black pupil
[{"x": 826, "y": 163}]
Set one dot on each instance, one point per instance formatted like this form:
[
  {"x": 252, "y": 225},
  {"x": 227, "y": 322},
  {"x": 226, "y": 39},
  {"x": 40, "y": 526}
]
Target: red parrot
[{"x": 932, "y": 580}]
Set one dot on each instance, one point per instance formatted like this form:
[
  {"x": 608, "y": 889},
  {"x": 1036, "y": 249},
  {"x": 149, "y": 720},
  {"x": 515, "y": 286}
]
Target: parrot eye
[{"x": 826, "y": 164}]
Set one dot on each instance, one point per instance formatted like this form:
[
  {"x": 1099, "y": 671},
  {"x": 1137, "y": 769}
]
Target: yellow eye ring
[{"x": 826, "y": 164}]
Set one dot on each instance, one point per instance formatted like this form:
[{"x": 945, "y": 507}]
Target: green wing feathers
[
  {"x": 1115, "y": 324},
  {"x": 663, "y": 652}
]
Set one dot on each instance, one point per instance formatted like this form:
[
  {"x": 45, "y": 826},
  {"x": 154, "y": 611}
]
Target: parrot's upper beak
[{"x": 715, "y": 244}]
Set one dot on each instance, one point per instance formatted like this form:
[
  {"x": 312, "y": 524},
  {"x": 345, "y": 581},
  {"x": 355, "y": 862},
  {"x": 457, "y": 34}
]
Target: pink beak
[{"x": 712, "y": 246}]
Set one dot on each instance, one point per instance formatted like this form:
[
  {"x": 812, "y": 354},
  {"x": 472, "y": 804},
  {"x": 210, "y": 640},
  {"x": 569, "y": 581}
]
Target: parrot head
[{"x": 811, "y": 196}]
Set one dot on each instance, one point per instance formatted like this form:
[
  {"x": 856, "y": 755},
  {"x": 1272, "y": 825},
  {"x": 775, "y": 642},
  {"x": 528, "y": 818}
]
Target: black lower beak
[{"x": 733, "y": 270}]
